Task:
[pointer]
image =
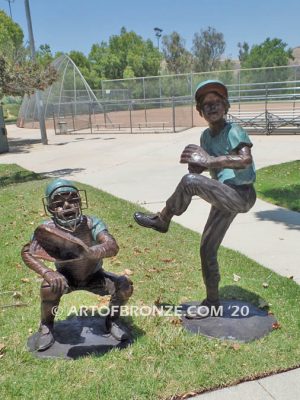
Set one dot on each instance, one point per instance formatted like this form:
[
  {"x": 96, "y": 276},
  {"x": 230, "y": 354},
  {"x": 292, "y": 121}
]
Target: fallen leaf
[
  {"x": 127, "y": 272},
  {"x": 130, "y": 226},
  {"x": 270, "y": 313},
  {"x": 175, "y": 321},
  {"x": 157, "y": 302},
  {"x": 236, "y": 278},
  {"x": 276, "y": 325},
  {"x": 236, "y": 346},
  {"x": 153, "y": 270},
  {"x": 265, "y": 285},
  {"x": 167, "y": 260},
  {"x": 136, "y": 250},
  {"x": 18, "y": 266},
  {"x": 17, "y": 295},
  {"x": 188, "y": 395},
  {"x": 25, "y": 280}
]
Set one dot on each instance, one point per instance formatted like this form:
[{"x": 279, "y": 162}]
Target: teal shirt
[
  {"x": 227, "y": 142},
  {"x": 98, "y": 226}
]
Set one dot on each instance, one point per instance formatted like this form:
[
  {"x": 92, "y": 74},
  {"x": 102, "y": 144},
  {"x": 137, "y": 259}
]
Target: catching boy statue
[{"x": 77, "y": 244}]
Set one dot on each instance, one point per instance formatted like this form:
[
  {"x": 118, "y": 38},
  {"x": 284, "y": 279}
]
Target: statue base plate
[
  {"x": 78, "y": 337},
  {"x": 237, "y": 320}
]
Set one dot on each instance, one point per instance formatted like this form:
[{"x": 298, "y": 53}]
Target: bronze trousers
[{"x": 226, "y": 202}]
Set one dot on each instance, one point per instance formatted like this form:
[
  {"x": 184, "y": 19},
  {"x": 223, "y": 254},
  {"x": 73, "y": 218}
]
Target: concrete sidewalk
[{"x": 145, "y": 169}]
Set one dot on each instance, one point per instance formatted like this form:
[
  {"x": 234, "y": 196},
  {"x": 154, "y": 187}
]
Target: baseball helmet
[{"x": 63, "y": 200}]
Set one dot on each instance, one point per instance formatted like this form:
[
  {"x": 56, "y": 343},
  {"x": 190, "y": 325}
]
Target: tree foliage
[
  {"x": 11, "y": 36},
  {"x": 18, "y": 74},
  {"x": 178, "y": 59},
  {"x": 208, "y": 47},
  {"x": 126, "y": 54},
  {"x": 25, "y": 77},
  {"x": 270, "y": 53}
]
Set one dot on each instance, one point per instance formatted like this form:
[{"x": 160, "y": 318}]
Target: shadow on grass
[
  {"x": 291, "y": 219},
  {"x": 238, "y": 293},
  {"x": 19, "y": 177},
  {"x": 285, "y": 196}
]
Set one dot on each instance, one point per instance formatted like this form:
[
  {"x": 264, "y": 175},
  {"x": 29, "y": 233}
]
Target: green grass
[
  {"x": 11, "y": 112},
  {"x": 280, "y": 184},
  {"x": 164, "y": 360}
]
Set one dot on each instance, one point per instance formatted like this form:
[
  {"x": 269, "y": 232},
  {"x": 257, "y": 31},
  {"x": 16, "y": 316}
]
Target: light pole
[
  {"x": 158, "y": 32},
  {"x": 10, "y": 1},
  {"x": 38, "y": 99}
]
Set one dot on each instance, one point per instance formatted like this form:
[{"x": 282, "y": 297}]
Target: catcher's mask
[{"x": 65, "y": 203}]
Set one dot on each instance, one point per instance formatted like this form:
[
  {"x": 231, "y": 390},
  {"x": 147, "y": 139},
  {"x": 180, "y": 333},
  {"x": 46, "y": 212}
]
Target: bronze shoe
[
  {"x": 45, "y": 338},
  {"x": 153, "y": 221},
  {"x": 206, "y": 309}
]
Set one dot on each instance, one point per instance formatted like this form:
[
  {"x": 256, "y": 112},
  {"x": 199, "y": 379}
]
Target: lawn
[
  {"x": 11, "y": 112},
  {"x": 164, "y": 361},
  {"x": 280, "y": 184}
]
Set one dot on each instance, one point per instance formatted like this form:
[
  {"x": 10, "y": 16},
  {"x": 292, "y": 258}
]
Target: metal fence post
[
  {"x": 192, "y": 110},
  {"x": 173, "y": 115},
  {"x": 73, "y": 116},
  {"x": 130, "y": 116},
  {"x": 90, "y": 117},
  {"x": 104, "y": 113}
]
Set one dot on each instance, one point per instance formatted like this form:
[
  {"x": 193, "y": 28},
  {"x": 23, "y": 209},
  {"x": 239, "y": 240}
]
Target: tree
[
  {"x": 208, "y": 47},
  {"x": 125, "y": 54},
  {"x": 44, "y": 55},
  {"x": 243, "y": 51},
  {"x": 177, "y": 58},
  {"x": 270, "y": 53},
  {"x": 11, "y": 36},
  {"x": 18, "y": 74},
  {"x": 25, "y": 77}
]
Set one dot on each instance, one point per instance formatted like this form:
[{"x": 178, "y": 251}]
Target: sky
[{"x": 77, "y": 24}]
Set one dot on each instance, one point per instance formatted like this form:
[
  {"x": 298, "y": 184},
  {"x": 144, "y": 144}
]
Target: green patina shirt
[{"x": 228, "y": 141}]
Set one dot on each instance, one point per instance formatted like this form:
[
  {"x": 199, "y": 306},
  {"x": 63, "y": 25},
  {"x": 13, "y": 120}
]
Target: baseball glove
[{"x": 53, "y": 244}]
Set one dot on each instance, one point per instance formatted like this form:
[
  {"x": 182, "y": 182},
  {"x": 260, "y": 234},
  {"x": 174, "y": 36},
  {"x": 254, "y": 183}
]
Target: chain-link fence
[{"x": 160, "y": 103}]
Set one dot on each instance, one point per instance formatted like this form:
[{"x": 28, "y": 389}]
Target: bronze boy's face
[
  {"x": 66, "y": 206},
  {"x": 212, "y": 108}
]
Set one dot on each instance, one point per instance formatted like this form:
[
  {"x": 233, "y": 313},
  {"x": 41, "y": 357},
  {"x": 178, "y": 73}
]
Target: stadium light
[{"x": 158, "y": 32}]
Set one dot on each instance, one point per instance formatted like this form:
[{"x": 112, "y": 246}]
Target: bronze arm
[
  {"x": 195, "y": 155},
  {"x": 107, "y": 246},
  {"x": 33, "y": 263}
]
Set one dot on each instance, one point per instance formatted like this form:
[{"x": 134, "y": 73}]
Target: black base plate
[
  {"x": 240, "y": 321},
  {"x": 78, "y": 337}
]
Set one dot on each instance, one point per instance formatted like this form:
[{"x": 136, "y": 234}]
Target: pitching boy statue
[
  {"x": 77, "y": 244},
  {"x": 225, "y": 151}
]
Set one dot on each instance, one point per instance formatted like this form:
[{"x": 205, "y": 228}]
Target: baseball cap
[{"x": 211, "y": 86}]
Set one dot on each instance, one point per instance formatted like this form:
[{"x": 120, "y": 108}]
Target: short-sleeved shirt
[
  {"x": 97, "y": 227},
  {"x": 231, "y": 138}
]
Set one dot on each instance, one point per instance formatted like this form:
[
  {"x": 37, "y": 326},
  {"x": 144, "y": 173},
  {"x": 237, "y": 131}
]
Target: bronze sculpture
[
  {"x": 77, "y": 244},
  {"x": 225, "y": 151}
]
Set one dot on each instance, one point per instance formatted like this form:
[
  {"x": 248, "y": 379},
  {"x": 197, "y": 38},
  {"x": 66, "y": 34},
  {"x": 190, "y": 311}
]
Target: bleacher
[{"x": 269, "y": 121}]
